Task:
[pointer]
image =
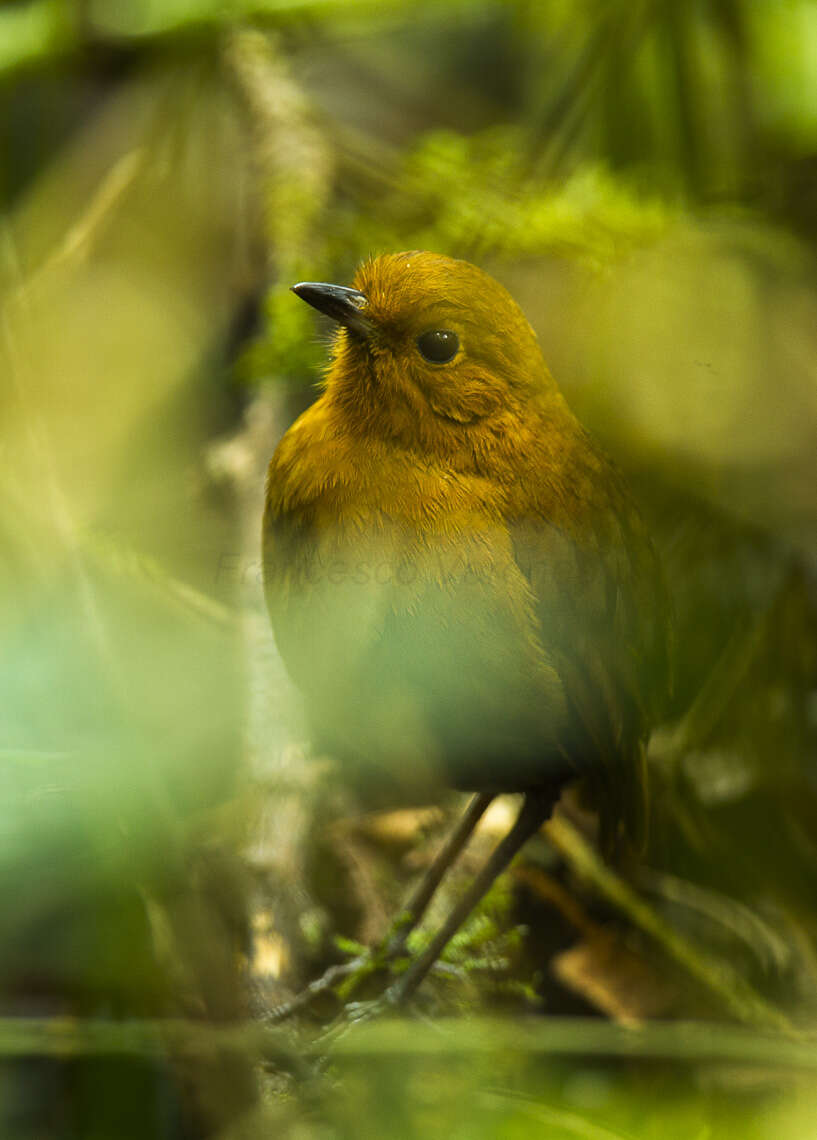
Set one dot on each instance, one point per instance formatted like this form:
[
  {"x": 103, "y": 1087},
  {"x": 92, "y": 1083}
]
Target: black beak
[{"x": 346, "y": 306}]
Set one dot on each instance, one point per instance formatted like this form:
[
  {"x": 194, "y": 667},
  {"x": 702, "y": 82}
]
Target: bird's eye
[{"x": 438, "y": 345}]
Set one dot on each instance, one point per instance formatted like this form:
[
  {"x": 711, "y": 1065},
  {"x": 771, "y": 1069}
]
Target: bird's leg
[
  {"x": 416, "y": 906},
  {"x": 394, "y": 942},
  {"x": 535, "y": 809}
]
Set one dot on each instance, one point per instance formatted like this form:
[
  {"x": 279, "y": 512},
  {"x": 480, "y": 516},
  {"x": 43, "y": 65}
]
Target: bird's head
[{"x": 428, "y": 341}]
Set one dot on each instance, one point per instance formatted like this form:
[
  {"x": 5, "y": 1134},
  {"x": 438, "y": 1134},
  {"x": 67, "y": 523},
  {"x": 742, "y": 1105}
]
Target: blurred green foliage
[{"x": 643, "y": 176}]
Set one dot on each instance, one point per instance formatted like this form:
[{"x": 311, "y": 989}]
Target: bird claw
[{"x": 359, "y": 1012}]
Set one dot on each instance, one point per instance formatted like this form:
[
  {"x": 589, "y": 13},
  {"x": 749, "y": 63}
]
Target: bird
[{"x": 458, "y": 579}]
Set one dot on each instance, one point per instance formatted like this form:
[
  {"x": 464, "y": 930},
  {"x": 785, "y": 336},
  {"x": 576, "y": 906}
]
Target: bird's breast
[{"x": 402, "y": 615}]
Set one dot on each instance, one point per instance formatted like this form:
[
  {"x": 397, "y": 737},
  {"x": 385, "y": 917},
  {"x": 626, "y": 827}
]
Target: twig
[
  {"x": 717, "y": 975},
  {"x": 320, "y": 986},
  {"x": 695, "y": 1042},
  {"x": 568, "y": 1036}
]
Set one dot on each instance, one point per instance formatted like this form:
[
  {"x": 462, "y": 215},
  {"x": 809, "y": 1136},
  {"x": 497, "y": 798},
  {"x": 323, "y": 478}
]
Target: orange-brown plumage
[{"x": 457, "y": 578}]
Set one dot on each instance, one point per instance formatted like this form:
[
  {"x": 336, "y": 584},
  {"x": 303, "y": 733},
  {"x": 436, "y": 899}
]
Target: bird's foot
[
  {"x": 384, "y": 1005},
  {"x": 359, "y": 1012},
  {"x": 356, "y": 1013}
]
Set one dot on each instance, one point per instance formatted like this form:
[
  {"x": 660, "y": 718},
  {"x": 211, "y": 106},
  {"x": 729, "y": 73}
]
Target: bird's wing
[{"x": 602, "y": 613}]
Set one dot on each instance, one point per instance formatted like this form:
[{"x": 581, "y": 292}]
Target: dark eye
[{"x": 438, "y": 345}]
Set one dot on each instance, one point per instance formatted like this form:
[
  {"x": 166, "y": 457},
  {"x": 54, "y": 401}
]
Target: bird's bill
[{"x": 344, "y": 305}]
